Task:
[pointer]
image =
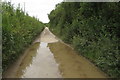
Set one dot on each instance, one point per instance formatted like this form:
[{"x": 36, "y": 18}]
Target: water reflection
[
  {"x": 43, "y": 65},
  {"x": 27, "y": 61}
]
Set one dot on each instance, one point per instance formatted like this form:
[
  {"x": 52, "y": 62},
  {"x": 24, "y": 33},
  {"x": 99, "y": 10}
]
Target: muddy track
[{"x": 48, "y": 57}]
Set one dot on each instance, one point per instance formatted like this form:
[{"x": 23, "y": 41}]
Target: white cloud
[{"x": 39, "y": 8}]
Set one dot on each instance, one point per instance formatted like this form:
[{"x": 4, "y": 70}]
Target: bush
[
  {"x": 18, "y": 31},
  {"x": 93, "y": 30}
]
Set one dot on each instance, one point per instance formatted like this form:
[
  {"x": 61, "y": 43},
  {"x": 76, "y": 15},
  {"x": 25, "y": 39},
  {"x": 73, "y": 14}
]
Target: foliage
[
  {"x": 92, "y": 29},
  {"x": 18, "y": 31}
]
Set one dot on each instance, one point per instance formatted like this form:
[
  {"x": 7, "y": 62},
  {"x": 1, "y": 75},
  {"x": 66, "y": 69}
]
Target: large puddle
[
  {"x": 54, "y": 60},
  {"x": 39, "y": 63}
]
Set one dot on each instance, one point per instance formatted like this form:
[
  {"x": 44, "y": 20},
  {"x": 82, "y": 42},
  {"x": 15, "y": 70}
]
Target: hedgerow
[
  {"x": 92, "y": 29},
  {"x": 18, "y": 31}
]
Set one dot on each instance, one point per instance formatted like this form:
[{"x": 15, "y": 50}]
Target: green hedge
[
  {"x": 18, "y": 32},
  {"x": 92, "y": 29}
]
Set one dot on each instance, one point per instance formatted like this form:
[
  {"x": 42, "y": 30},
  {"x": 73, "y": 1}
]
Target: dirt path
[
  {"x": 50, "y": 58},
  {"x": 47, "y": 36}
]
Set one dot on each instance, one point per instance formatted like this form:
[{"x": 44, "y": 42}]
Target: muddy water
[
  {"x": 39, "y": 63},
  {"x": 72, "y": 65},
  {"x": 27, "y": 61}
]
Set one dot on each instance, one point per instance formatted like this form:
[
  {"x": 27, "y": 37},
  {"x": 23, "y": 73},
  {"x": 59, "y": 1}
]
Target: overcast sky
[{"x": 37, "y": 8}]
